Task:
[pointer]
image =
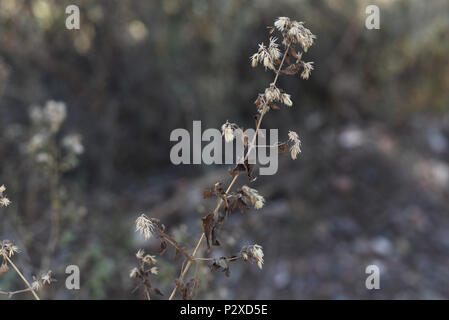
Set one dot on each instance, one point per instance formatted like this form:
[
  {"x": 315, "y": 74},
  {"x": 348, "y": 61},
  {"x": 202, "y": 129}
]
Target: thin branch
[
  {"x": 23, "y": 278},
  {"x": 212, "y": 259},
  {"x": 171, "y": 241},
  {"x": 11, "y": 293}
]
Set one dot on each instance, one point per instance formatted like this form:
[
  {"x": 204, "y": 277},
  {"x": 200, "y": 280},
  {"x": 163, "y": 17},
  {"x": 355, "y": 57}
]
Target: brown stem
[
  {"x": 11, "y": 293},
  {"x": 23, "y": 278},
  {"x": 55, "y": 209},
  {"x": 168, "y": 238},
  {"x": 220, "y": 202},
  {"x": 212, "y": 259}
]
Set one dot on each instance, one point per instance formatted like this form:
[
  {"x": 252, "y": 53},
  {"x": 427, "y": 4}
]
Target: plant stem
[
  {"x": 11, "y": 293},
  {"x": 23, "y": 278},
  {"x": 220, "y": 202},
  {"x": 55, "y": 208}
]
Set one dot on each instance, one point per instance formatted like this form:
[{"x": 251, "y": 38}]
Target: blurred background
[{"x": 370, "y": 187}]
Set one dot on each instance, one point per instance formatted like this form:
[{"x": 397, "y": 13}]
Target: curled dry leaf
[
  {"x": 211, "y": 224},
  {"x": 221, "y": 265},
  {"x": 243, "y": 167},
  {"x": 187, "y": 289},
  {"x": 4, "y": 268}
]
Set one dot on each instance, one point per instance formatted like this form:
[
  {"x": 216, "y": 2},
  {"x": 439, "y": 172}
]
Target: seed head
[
  {"x": 286, "y": 99},
  {"x": 307, "y": 70},
  {"x": 140, "y": 254},
  {"x": 47, "y": 278},
  {"x": 149, "y": 259},
  {"x": 4, "y": 202},
  {"x": 36, "y": 285},
  {"x": 295, "y": 149},
  {"x": 253, "y": 253},
  {"x": 254, "y": 60},
  {"x": 254, "y": 197},
  {"x": 146, "y": 226},
  {"x": 7, "y": 248},
  {"x": 273, "y": 49},
  {"x": 272, "y": 94},
  {"x": 134, "y": 273},
  {"x": 55, "y": 113},
  {"x": 282, "y": 23},
  {"x": 72, "y": 142},
  {"x": 265, "y": 55},
  {"x": 227, "y": 130}
]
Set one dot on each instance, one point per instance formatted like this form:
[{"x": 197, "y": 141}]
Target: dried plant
[
  {"x": 54, "y": 156},
  {"x": 7, "y": 250},
  {"x": 4, "y": 201},
  {"x": 144, "y": 271},
  {"x": 282, "y": 59}
]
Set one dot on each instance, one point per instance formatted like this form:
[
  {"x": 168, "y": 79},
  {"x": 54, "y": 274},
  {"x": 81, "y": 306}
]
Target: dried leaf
[
  {"x": 163, "y": 247},
  {"x": 208, "y": 227},
  {"x": 211, "y": 224},
  {"x": 4, "y": 268},
  {"x": 221, "y": 265},
  {"x": 243, "y": 167},
  {"x": 292, "y": 69},
  {"x": 158, "y": 292},
  {"x": 237, "y": 169},
  {"x": 283, "y": 147},
  {"x": 208, "y": 194},
  {"x": 293, "y": 52},
  {"x": 187, "y": 289}
]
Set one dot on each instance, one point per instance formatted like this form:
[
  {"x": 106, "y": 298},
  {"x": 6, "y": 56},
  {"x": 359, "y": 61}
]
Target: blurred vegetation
[{"x": 138, "y": 69}]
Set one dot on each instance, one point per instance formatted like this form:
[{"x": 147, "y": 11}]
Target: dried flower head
[
  {"x": 134, "y": 273},
  {"x": 254, "y": 60},
  {"x": 36, "y": 285},
  {"x": 39, "y": 282},
  {"x": 266, "y": 56},
  {"x": 282, "y": 23},
  {"x": 146, "y": 226},
  {"x": 4, "y": 201},
  {"x": 307, "y": 69},
  {"x": 149, "y": 259},
  {"x": 295, "y": 149},
  {"x": 8, "y": 249},
  {"x": 286, "y": 99},
  {"x": 140, "y": 254},
  {"x": 37, "y": 142},
  {"x": 272, "y": 94},
  {"x": 55, "y": 113},
  {"x": 253, "y": 253},
  {"x": 47, "y": 278},
  {"x": 227, "y": 130},
  {"x": 142, "y": 272},
  {"x": 297, "y": 33},
  {"x": 72, "y": 142},
  {"x": 253, "y": 195},
  {"x": 273, "y": 49},
  {"x": 36, "y": 114}
]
